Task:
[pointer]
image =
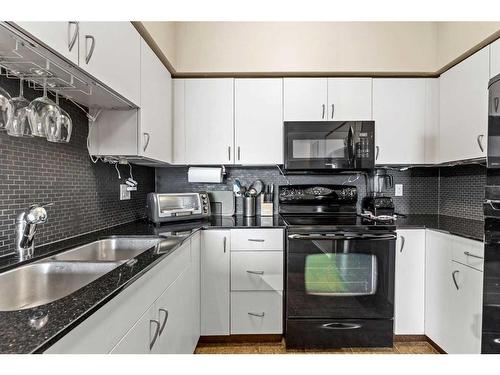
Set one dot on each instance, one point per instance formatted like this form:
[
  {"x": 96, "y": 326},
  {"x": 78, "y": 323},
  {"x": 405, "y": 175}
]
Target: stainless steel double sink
[{"x": 57, "y": 276}]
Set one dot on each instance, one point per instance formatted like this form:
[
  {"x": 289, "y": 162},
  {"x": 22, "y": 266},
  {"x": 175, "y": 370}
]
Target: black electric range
[{"x": 339, "y": 270}]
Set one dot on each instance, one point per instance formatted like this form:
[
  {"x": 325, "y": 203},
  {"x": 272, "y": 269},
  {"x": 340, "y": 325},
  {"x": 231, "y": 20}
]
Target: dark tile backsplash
[
  {"x": 453, "y": 191},
  {"x": 85, "y": 195}
]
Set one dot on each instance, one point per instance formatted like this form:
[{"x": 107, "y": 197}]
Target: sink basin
[
  {"x": 40, "y": 283},
  {"x": 110, "y": 249}
]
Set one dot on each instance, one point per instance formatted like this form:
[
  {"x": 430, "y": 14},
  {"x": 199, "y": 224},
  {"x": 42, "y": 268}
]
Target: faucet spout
[{"x": 26, "y": 226}]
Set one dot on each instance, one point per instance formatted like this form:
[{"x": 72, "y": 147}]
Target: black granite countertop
[
  {"x": 21, "y": 331},
  {"x": 473, "y": 229}
]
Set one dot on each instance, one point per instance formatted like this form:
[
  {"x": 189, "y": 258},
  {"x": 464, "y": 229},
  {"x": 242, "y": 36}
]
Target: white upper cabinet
[
  {"x": 143, "y": 136},
  {"x": 62, "y": 37},
  {"x": 327, "y": 99},
  {"x": 155, "y": 138},
  {"x": 258, "y": 121},
  {"x": 464, "y": 108},
  {"x": 111, "y": 52},
  {"x": 409, "y": 298},
  {"x": 305, "y": 99},
  {"x": 349, "y": 99},
  {"x": 399, "y": 107},
  {"x": 208, "y": 121},
  {"x": 495, "y": 58}
]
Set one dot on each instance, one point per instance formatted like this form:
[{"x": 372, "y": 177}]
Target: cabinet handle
[
  {"x": 403, "y": 239},
  {"x": 88, "y": 54},
  {"x": 229, "y": 152},
  {"x": 256, "y": 272},
  {"x": 239, "y": 154},
  {"x": 377, "y": 151},
  {"x": 480, "y": 141},
  {"x": 261, "y": 315},
  {"x": 454, "y": 279},
  {"x": 224, "y": 242},
  {"x": 495, "y": 103},
  {"x": 472, "y": 255},
  {"x": 164, "y": 323},
  {"x": 333, "y": 109},
  {"x": 72, "y": 39},
  {"x": 256, "y": 240},
  {"x": 157, "y": 330},
  {"x": 146, "y": 144},
  {"x": 323, "y": 113}
]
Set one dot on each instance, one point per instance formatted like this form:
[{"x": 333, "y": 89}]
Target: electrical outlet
[
  {"x": 124, "y": 193},
  {"x": 399, "y": 190}
]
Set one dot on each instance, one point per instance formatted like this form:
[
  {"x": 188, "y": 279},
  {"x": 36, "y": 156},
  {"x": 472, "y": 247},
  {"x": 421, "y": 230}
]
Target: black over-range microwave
[{"x": 329, "y": 145}]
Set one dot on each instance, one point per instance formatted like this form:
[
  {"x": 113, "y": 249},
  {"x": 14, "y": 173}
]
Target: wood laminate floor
[{"x": 418, "y": 347}]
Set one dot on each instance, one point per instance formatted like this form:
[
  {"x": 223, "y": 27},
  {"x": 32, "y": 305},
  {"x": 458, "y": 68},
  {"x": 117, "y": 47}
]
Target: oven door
[
  {"x": 341, "y": 145},
  {"x": 340, "y": 275}
]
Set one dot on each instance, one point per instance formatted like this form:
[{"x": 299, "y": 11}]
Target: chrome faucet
[{"x": 26, "y": 225}]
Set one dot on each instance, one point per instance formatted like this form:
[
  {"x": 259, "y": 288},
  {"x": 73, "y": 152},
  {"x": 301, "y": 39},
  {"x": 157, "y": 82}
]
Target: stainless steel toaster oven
[{"x": 167, "y": 207}]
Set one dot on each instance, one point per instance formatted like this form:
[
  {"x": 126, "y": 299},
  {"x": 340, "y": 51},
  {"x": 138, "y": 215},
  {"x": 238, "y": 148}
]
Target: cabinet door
[
  {"x": 116, "y": 56},
  {"x": 464, "y": 108},
  {"x": 467, "y": 304},
  {"x": 495, "y": 58},
  {"x": 258, "y": 121},
  {"x": 139, "y": 338},
  {"x": 179, "y": 126},
  {"x": 155, "y": 134},
  {"x": 399, "y": 112},
  {"x": 194, "y": 310},
  {"x": 349, "y": 99},
  {"x": 305, "y": 99},
  {"x": 62, "y": 37},
  {"x": 410, "y": 283},
  {"x": 174, "y": 315},
  {"x": 438, "y": 289},
  {"x": 215, "y": 276},
  {"x": 209, "y": 121}
]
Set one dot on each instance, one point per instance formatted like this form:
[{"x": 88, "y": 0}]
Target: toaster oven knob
[{"x": 205, "y": 209}]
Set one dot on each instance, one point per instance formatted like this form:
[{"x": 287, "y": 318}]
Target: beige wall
[
  {"x": 316, "y": 47},
  {"x": 164, "y": 35},
  {"x": 305, "y": 46},
  {"x": 456, "y": 38}
]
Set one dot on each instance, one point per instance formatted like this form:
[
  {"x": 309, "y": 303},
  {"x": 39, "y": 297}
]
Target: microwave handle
[{"x": 350, "y": 144}]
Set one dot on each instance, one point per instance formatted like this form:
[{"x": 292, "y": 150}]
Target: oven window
[
  {"x": 318, "y": 148},
  {"x": 341, "y": 274}
]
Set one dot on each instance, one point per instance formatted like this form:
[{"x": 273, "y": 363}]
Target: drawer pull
[
  {"x": 261, "y": 315},
  {"x": 256, "y": 240},
  {"x": 164, "y": 320},
  {"x": 256, "y": 272},
  {"x": 472, "y": 255},
  {"x": 157, "y": 331},
  {"x": 339, "y": 326}
]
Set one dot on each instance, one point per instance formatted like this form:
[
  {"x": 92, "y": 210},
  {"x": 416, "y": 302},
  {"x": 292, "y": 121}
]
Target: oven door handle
[{"x": 342, "y": 237}]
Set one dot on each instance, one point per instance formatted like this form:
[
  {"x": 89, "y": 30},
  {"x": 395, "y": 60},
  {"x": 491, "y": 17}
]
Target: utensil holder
[{"x": 249, "y": 206}]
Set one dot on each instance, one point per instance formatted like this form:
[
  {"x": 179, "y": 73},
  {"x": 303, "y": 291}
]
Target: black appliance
[
  {"x": 323, "y": 146},
  {"x": 491, "y": 287},
  {"x": 379, "y": 206},
  {"x": 339, "y": 270}
]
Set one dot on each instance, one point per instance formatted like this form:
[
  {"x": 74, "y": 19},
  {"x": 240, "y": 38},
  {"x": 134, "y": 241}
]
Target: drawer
[
  {"x": 257, "y": 270},
  {"x": 256, "y": 312},
  {"x": 256, "y": 239},
  {"x": 468, "y": 252}
]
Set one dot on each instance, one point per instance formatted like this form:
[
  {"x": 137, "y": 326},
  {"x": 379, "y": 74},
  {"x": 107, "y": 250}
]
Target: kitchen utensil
[
  {"x": 256, "y": 188},
  {"x": 5, "y": 108},
  {"x": 66, "y": 124},
  {"x": 237, "y": 187},
  {"x": 18, "y": 125},
  {"x": 45, "y": 114}
]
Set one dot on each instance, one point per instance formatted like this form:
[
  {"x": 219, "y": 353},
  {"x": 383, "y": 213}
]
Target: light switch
[
  {"x": 398, "y": 190},
  {"x": 124, "y": 193}
]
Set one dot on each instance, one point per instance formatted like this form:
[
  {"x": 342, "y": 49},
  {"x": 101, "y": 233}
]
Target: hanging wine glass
[
  {"x": 5, "y": 108},
  {"x": 45, "y": 115},
  {"x": 18, "y": 125},
  {"x": 66, "y": 124}
]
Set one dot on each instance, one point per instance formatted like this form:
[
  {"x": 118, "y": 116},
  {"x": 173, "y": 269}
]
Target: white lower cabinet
[
  {"x": 257, "y": 312},
  {"x": 215, "y": 280},
  {"x": 453, "y": 300},
  {"x": 409, "y": 298},
  {"x": 126, "y": 324}
]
